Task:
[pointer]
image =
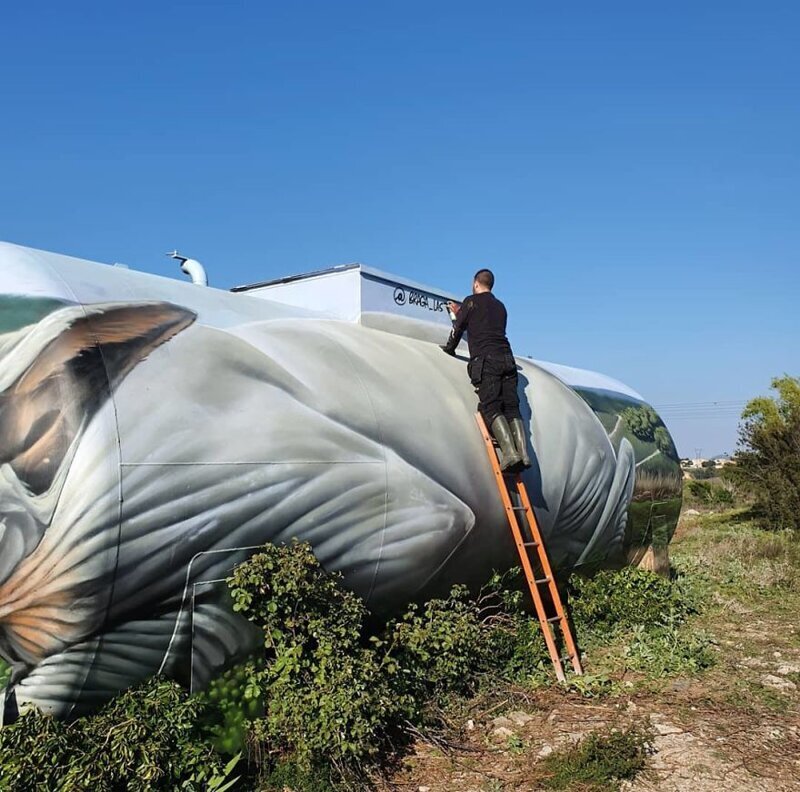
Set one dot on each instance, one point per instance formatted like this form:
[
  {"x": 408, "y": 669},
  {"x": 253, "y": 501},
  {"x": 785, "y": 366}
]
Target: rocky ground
[{"x": 734, "y": 726}]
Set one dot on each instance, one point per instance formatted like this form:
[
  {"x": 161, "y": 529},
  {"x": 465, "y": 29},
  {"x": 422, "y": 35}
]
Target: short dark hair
[{"x": 486, "y": 278}]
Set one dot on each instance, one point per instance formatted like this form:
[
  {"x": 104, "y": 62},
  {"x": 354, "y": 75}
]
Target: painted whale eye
[
  {"x": 40, "y": 428},
  {"x": 34, "y": 433}
]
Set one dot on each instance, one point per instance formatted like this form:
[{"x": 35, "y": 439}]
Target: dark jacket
[{"x": 483, "y": 317}]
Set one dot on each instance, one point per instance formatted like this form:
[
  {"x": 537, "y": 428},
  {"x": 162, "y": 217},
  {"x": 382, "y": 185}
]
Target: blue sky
[{"x": 629, "y": 170}]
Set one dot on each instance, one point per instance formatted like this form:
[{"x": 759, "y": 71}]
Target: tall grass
[{"x": 656, "y": 485}]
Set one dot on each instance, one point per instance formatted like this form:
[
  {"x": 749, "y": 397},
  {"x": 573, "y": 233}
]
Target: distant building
[
  {"x": 688, "y": 465},
  {"x": 698, "y": 462},
  {"x": 725, "y": 459}
]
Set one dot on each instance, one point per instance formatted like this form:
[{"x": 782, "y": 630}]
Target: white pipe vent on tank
[{"x": 191, "y": 267}]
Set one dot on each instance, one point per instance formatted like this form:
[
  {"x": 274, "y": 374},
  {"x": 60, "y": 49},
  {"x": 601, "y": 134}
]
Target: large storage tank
[{"x": 154, "y": 432}]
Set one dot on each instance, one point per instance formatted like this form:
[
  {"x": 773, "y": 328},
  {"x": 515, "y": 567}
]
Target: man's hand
[
  {"x": 446, "y": 349},
  {"x": 453, "y": 307}
]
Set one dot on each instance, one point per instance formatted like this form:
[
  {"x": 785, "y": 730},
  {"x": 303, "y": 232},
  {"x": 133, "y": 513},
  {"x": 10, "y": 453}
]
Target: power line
[
  {"x": 720, "y": 403},
  {"x": 701, "y": 410}
]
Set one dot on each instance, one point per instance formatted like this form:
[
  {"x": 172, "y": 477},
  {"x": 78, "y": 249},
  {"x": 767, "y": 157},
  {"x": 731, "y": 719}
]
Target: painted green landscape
[{"x": 656, "y": 504}]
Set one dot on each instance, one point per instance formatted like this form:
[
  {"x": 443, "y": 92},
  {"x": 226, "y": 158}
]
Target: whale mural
[{"x": 154, "y": 433}]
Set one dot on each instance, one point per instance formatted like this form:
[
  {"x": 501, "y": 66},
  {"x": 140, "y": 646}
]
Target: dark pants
[{"x": 495, "y": 382}]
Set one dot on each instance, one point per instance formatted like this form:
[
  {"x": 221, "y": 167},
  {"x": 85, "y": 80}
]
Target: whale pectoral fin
[
  {"x": 607, "y": 540},
  {"x": 192, "y": 648},
  {"x": 85, "y": 676},
  {"x": 210, "y": 638}
]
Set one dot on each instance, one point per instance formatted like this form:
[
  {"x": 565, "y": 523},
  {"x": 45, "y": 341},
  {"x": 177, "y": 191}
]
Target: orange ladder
[{"x": 511, "y": 484}]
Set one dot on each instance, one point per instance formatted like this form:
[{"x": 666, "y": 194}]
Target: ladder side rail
[
  {"x": 572, "y": 649},
  {"x": 533, "y": 586},
  {"x": 521, "y": 550}
]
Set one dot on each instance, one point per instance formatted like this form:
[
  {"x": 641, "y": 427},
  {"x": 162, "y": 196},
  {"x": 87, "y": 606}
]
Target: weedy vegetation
[
  {"x": 599, "y": 762},
  {"x": 149, "y": 738},
  {"x": 331, "y": 698}
]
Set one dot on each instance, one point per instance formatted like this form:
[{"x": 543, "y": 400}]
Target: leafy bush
[
  {"x": 709, "y": 493},
  {"x": 666, "y": 651},
  {"x": 148, "y": 738},
  {"x": 438, "y": 647},
  {"x": 629, "y": 597},
  {"x": 702, "y": 473},
  {"x": 326, "y": 693},
  {"x": 599, "y": 762},
  {"x": 290, "y": 776},
  {"x": 768, "y": 460},
  {"x": 446, "y": 645},
  {"x": 642, "y": 420},
  {"x": 334, "y": 694},
  {"x": 33, "y": 751},
  {"x": 648, "y": 616},
  {"x": 326, "y": 696},
  {"x": 519, "y": 650},
  {"x": 230, "y": 712}
]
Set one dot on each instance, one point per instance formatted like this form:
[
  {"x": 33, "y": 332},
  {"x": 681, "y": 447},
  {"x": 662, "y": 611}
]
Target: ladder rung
[
  {"x": 518, "y": 508},
  {"x": 542, "y": 580},
  {"x": 554, "y": 619},
  {"x": 530, "y": 544}
]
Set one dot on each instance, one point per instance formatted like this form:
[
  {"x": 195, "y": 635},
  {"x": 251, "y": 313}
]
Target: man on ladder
[
  {"x": 494, "y": 374},
  {"x": 492, "y": 369}
]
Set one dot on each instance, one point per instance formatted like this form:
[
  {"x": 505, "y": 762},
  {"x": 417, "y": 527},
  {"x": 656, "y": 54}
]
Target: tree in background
[
  {"x": 768, "y": 458},
  {"x": 644, "y": 423},
  {"x": 664, "y": 442},
  {"x": 642, "y": 420}
]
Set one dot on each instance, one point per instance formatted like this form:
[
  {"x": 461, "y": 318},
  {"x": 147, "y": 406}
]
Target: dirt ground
[{"x": 733, "y": 727}]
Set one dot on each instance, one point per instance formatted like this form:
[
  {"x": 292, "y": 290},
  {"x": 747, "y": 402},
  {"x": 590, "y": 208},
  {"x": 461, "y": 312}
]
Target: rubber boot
[
  {"x": 510, "y": 459},
  {"x": 520, "y": 440}
]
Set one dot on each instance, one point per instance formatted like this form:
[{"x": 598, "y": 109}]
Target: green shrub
[
  {"x": 288, "y": 775},
  {"x": 439, "y": 647},
  {"x": 519, "y": 651},
  {"x": 709, "y": 493},
  {"x": 622, "y": 599},
  {"x": 666, "y": 651},
  {"x": 768, "y": 460},
  {"x": 648, "y": 616},
  {"x": 230, "y": 713},
  {"x": 149, "y": 738},
  {"x": 33, "y": 753},
  {"x": 335, "y": 694},
  {"x": 326, "y": 696},
  {"x": 599, "y": 762}
]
